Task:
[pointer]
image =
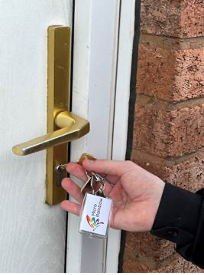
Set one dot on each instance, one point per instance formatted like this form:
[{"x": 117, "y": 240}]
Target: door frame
[{"x": 101, "y": 87}]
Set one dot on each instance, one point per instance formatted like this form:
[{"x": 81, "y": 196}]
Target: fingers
[
  {"x": 109, "y": 167},
  {"x": 113, "y": 169},
  {"x": 76, "y": 170},
  {"x": 72, "y": 207},
  {"x": 72, "y": 189}
]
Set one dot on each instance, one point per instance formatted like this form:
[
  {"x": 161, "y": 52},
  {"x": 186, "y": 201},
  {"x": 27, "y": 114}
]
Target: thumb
[{"x": 108, "y": 167}]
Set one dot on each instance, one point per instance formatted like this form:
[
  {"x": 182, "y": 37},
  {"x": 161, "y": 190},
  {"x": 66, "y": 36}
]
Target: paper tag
[{"x": 95, "y": 215}]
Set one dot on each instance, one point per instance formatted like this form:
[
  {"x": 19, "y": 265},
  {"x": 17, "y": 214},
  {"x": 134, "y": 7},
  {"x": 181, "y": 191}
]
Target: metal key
[
  {"x": 95, "y": 182},
  {"x": 98, "y": 177},
  {"x": 60, "y": 173},
  {"x": 91, "y": 186},
  {"x": 61, "y": 167},
  {"x": 87, "y": 186}
]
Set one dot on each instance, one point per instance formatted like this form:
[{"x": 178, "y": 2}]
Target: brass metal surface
[
  {"x": 86, "y": 156},
  {"x": 73, "y": 128},
  {"x": 62, "y": 126}
]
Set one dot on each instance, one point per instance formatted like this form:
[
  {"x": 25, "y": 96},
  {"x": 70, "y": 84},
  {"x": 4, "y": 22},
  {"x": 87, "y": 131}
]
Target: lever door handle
[
  {"x": 62, "y": 125},
  {"x": 72, "y": 127}
]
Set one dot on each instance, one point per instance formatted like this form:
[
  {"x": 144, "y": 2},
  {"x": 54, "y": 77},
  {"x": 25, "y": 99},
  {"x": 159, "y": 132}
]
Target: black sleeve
[{"x": 180, "y": 219}]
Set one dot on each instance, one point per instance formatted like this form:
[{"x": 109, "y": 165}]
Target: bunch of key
[
  {"x": 95, "y": 183},
  {"x": 96, "y": 208}
]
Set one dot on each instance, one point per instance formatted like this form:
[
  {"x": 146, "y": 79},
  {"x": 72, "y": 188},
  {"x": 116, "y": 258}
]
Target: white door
[{"x": 33, "y": 234}]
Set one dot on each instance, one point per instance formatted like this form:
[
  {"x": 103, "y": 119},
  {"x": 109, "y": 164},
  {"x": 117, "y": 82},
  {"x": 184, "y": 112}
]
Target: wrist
[{"x": 155, "y": 202}]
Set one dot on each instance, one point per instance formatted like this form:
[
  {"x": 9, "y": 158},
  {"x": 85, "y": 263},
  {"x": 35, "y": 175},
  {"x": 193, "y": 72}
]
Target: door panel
[{"x": 32, "y": 234}]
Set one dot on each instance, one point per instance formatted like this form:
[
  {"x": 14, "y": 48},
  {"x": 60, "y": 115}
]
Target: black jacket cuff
[{"x": 178, "y": 215}]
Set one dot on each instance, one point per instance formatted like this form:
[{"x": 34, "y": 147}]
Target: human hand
[{"x": 136, "y": 193}]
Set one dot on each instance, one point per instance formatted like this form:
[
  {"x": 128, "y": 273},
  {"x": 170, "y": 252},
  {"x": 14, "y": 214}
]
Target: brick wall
[{"x": 169, "y": 115}]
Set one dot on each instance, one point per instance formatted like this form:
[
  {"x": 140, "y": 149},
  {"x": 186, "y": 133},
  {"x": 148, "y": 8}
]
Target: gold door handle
[
  {"x": 72, "y": 127},
  {"x": 62, "y": 125}
]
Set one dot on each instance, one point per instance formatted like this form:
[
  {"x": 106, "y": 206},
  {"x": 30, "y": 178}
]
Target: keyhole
[{"x": 59, "y": 174}]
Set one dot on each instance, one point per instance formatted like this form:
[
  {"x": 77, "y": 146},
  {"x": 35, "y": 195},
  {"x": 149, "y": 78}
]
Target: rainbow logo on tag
[{"x": 93, "y": 222}]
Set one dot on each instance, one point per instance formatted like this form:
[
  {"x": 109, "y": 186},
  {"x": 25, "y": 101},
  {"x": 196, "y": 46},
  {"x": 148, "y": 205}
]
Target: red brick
[
  {"x": 146, "y": 253},
  {"x": 165, "y": 132},
  {"x": 168, "y": 134},
  {"x": 186, "y": 172},
  {"x": 170, "y": 74},
  {"x": 143, "y": 251},
  {"x": 174, "y": 18},
  {"x": 161, "y": 17},
  {"x": 179, "y": 265},
  {"x": 192, "y": 18}
]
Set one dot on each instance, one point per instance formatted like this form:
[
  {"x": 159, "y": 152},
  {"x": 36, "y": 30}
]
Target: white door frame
[{"x": 103, "y": 41}]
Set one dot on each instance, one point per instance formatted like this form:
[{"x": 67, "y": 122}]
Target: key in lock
[
  {"x": 87, "y": 187},
  {"x": 60, "y": 171}
]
